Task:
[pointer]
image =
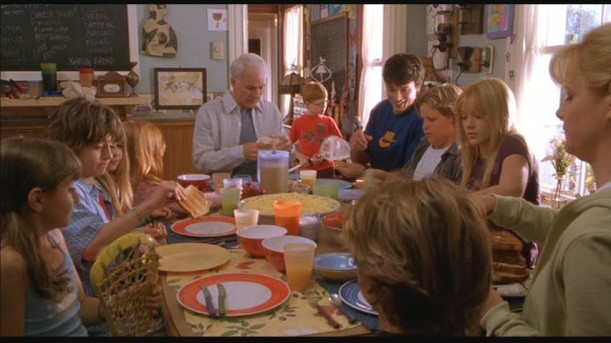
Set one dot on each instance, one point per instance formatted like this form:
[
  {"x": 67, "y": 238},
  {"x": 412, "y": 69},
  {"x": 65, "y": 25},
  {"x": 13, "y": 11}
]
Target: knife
[
  {"x": 222, "y": 299},
  {"x": 334, "y": 323},
  {"x": 209, "y": 302}
]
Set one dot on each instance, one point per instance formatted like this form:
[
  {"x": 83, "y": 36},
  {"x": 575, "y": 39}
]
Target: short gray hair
[{"x": 251, "y": 60}]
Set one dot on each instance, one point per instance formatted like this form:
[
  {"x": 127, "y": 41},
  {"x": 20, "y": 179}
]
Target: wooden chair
[{"x": 123, "y": 277}]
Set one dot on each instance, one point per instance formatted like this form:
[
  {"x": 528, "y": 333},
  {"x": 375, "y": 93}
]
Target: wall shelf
[{"x": 46, "y": 105}]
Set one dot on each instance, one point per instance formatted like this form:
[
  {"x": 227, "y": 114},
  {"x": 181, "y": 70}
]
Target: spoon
[{"x": 335, "y": 300}]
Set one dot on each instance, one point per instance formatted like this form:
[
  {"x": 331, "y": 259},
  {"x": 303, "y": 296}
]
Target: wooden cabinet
[
  {"x": 178, "y": 136},
  {"x": 34, "y": 129}
]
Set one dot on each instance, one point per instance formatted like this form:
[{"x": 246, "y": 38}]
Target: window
[
  {"x": 538, "y": 96},
  {"x": 371, "y": 85},
  {"x": 293, "y": 48}
]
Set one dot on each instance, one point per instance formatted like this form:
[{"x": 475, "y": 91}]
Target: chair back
[{"x": 123, "y": 276}]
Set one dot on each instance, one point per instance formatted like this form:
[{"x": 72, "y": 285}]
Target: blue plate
[
  {"x": 335, "y": 261},
  {"x": 351, "y": 295}
]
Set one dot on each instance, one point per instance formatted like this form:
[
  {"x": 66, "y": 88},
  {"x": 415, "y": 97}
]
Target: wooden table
[{"x": 177, "y": 324}]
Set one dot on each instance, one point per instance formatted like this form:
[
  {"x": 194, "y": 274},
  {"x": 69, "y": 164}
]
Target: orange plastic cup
[{"x": 287, "y": 213}]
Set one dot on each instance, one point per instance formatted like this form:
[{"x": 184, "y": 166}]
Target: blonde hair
[
  {"x": 312, "y": 91},
  {"x": 592, "y": 56},
  {"x": 423, "y": 247},
  {"x": 119, "y": 180},
  {"x": 145, "y": 148},
  {"x": 442, "y": 98},
  {"x": 25, "y": 164},
  {"x": 496, "y": 104}
]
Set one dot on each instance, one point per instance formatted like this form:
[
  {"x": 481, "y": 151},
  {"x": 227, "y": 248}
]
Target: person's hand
[
  {"x": 493, "y": 299},
  {"x": 359, "y": 140},
  {"x": 316, "y": 159},
  {"x": 485, "y": 203},
  {"x": 352, "y": 170},
  {"x": 158, "y": 231},
  {"x": 154, "y": 300},
  {"x": 165, "y": 191},
  {"x": 162, "y": 213},
  {"x": 251, "y": 150},
  {"x": 282, "y": 143}
]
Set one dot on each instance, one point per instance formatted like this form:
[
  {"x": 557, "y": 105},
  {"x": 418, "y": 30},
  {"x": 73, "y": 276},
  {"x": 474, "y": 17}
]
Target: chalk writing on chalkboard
[
  {"x": 72, "y": 36},
  {"x": 329, "y": 37}
]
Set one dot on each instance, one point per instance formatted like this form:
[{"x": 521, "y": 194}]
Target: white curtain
[
  {"x": 395, "y": 30},
  {"x": 370, "y": 86},
  {"x": 537, "y": 96},
  {"x": 292, "y": 40}
]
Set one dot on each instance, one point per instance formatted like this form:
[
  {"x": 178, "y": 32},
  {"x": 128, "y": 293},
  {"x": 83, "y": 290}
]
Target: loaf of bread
[
  {"x": 509, "y": 263},
  {"x": 195, "y": 203}
]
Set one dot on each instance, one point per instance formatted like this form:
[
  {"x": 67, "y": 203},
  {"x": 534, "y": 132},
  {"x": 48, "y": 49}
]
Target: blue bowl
[{"x": 335, "y": 266}]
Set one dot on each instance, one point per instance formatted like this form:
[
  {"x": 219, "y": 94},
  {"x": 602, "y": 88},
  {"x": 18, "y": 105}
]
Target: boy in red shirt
[{"x": 309, "y": 130}]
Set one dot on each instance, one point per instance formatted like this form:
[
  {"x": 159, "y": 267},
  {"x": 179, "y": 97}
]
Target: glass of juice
[
  {"x": 245, "y": 217},
  {"x": 287, "y": 213},
  {"x": 299, "y": 262},
  {"x": 308, "y": 177},
  {"x": 229, "y": 200}
]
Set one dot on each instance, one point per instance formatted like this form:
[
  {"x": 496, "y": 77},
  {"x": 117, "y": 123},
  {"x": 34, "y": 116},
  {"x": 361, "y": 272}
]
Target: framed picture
[
  {"x": 499, "y": 21},
  {"x": 180, "y": 87}
]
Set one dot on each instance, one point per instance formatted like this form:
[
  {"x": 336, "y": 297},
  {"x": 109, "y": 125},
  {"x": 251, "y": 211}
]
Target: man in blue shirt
[{"x": 395, "y": 127}]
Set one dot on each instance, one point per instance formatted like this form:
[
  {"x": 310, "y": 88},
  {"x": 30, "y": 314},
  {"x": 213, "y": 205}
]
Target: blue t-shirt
[{"x": 395, "y": 137}]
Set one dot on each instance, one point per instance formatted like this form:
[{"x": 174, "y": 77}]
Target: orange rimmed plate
[
  {"x": 191, "y": 257},
  {"x": 205, "y": 227},
  {"x": 247, "y": 293}
]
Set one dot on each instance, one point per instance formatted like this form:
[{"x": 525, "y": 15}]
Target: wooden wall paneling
[
  {"x": 178, "y": 136},
  {"x": 35, "y": 129}
]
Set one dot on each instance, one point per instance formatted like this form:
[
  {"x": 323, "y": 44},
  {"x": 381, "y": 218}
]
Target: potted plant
[{"x": 561, "y": 161}]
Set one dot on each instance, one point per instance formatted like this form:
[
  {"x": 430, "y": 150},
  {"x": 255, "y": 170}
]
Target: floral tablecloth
[{"x": 295, "y": 317}]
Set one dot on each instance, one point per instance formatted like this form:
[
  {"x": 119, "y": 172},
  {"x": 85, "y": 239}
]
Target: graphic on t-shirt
[
  {"x": 387, "y": 140},
  {"x": 315, "y": 136}
]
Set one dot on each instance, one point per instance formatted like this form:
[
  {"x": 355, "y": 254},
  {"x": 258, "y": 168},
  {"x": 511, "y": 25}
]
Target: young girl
[
  {"x": 117, "y": 177},
  {"x": 41, "y": 291},
  {"x": 496, "y": 160},
  {"x": 145, "y": 149},
  {"x": 312, "y": 128},
  {"x": 90, "y": 129},
  {"x": 423, "y": 255}
]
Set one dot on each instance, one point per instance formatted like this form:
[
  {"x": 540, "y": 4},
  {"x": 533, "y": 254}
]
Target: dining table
[{"x": 294, "y": 317}]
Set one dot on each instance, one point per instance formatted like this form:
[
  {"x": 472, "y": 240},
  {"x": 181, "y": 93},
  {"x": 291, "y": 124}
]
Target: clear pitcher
[{"x": 272, "y": 170}]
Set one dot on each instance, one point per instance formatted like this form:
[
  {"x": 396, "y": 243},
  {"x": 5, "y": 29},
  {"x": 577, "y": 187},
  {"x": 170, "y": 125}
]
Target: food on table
[
  {"x": 310, "y": 204},
  {"x": 195, "y": 203}
]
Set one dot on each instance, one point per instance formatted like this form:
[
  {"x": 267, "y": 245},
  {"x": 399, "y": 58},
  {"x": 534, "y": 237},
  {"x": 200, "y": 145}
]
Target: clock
[{"x": 111, "y": 85}]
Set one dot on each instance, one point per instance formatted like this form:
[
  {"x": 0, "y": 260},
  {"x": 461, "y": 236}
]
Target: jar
[{"x": 86, "y": 77}]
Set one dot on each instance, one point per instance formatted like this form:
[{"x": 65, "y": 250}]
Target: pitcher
[{"x": 272, "y": 170}]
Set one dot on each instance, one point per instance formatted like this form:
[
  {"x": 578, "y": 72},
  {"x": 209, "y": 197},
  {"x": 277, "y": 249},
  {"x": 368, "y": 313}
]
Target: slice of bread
[
  {"x": 195, "y": 203},
  {"x": 508, "y": 273}
]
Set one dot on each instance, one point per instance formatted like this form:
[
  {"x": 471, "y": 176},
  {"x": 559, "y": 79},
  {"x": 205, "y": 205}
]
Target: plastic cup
[
  {"x": 232, "y": 182},
  {"x": 229, "y": 200},
  {"x": 49, "y": 76},
  {"x": 308, "y": 177},
  {"x": 245, "y": 217},
  {"x": 245, "y": 178},
  {"x": 299, "y": 262},
  {"x": 287, "y": 213},
  {"x": 218, "y": 179},
  {"x": 328, "y": 189}
]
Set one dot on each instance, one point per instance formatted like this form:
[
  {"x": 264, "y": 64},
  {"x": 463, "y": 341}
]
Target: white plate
[
  {"x": 205, "y": 227},
  {"x": 511, "y": 290}
]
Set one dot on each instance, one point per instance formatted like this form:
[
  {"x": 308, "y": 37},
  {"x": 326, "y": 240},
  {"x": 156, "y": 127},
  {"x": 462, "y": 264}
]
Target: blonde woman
[
  {"x": 423, "y": 255},
  {"x": 496, "y": 159},
  {"x": 571, "y": 288}
]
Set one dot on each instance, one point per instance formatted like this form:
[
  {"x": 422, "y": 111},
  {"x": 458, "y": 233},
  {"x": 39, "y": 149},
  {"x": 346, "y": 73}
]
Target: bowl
[
  {"x": 336, "y": 266},
  {"x": 273, "y": 249},
  {"x": 333, "y": 228},
  {"x": 200, "y": 181},
  {"x": 251, "y": 237}
]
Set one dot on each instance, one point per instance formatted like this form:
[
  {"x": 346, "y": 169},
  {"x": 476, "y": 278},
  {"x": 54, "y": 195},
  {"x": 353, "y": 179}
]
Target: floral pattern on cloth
[{"x": 295, "y": 317}]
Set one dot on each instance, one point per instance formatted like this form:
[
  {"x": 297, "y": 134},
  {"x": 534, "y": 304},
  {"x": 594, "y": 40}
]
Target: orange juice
[
  {"x": 309, "y": 182},
  {"x": 290, "y": 223},
  {"x": 299, "y": 276}
]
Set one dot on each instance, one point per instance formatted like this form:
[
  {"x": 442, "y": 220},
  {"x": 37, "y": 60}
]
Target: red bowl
[
  {"x": 251, "y": 237},
  {"x": 200, "y": 181},
  {"x": 274, "y": 249}
]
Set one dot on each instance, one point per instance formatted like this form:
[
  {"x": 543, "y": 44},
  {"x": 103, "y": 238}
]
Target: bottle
[{"x": 86, "y": 77}]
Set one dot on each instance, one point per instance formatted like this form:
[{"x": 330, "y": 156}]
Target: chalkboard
[
  {"x": 329, "y": 40},
  {"x": 72, "y": 36}
]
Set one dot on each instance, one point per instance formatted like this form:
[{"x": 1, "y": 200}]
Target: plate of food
[
  {"x": 205, "y": 227},
  {"x": 350, "y": 293},
  {"x": 310, "y": 204},
  {"x": 246, "y": 293}
]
